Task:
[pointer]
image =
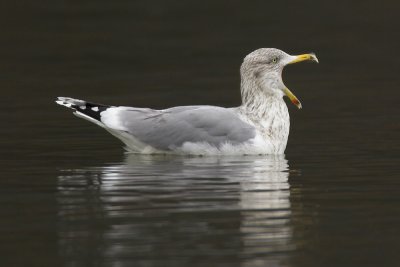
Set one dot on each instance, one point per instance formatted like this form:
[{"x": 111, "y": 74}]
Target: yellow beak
[
  {"x": 296, "y": 59},
  {"x": 292, "y": 98},
  {"x": 304, "y": 57}
]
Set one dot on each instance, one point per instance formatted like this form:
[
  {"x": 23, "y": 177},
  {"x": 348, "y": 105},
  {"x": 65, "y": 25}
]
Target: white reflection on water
[{"x": 173, "y": 210}]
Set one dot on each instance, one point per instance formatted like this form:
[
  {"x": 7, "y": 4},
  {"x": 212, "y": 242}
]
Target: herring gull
[{"x": 260, "y": 125}]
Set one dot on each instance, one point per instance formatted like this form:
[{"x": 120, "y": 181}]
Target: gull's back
[
  {"x": 174, "y": 130},
  {"x": 171, "y": 129}
]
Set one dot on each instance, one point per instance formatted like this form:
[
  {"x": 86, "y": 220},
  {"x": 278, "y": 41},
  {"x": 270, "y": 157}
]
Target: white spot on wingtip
[{"x": 95, "y": 109}]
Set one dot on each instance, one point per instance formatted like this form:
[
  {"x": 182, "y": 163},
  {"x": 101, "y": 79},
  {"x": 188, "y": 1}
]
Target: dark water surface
[{"x": 69, "y": 196}]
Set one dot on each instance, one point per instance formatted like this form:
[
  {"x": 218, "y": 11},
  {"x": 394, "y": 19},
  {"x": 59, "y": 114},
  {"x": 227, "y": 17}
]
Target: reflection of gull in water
[
  {"x": 176, "y": 209},
  {"x": 265, "y": 205}
]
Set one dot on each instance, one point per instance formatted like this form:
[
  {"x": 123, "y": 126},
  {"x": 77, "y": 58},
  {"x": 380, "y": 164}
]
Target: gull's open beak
[{"x": 297, "y": 59}]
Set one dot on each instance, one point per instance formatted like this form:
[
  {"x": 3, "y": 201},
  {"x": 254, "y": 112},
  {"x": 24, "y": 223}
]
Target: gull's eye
[{"x": 274, "y": 60}]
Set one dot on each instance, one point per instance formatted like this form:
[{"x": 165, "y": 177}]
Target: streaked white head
[{"x": 261, "y": 70}]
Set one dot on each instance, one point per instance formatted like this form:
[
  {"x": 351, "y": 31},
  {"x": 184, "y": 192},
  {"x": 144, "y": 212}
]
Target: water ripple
[{"x": 164, "y": 210}]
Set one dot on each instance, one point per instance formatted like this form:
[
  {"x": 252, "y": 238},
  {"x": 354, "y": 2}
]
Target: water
[
  {"x": 70, "y": 196},
  {"x": 168, "y": 211}
]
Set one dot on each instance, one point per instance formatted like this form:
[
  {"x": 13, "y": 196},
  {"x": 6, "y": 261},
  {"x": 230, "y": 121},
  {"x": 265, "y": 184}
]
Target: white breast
[{"x": 272, "y": 123}]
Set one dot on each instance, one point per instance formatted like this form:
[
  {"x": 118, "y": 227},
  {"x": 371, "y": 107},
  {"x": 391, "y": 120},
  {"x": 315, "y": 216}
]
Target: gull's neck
[
  {"x": 257, "y": 103},
  {"x": 267, "y": 112}
]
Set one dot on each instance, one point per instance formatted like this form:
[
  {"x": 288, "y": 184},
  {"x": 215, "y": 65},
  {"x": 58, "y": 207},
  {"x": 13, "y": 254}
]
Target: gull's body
[{"x": 259, "y": 126}]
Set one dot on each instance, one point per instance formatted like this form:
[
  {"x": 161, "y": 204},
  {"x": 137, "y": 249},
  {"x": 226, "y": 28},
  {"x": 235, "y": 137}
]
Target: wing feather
[{"x": 171, "y": 128}]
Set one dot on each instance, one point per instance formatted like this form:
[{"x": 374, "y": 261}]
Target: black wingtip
[{"x": 92, "y": 110}]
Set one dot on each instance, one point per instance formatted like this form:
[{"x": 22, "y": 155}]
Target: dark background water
[{"x": 69, "y": 196}]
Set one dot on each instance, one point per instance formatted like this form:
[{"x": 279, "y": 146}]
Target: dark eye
[{"x": 274, "y": 60}]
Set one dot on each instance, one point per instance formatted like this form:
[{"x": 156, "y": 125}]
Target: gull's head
[{"x": 262, "y": 69}]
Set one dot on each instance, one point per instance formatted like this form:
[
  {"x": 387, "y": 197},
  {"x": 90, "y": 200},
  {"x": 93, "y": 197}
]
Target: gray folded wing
[{"x": 169, "y": 129}]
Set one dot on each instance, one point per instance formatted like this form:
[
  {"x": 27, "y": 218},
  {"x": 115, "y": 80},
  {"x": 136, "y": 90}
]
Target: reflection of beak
[
  {"x": 292, "y": 98},
  {"x": 304, "y": 57}
]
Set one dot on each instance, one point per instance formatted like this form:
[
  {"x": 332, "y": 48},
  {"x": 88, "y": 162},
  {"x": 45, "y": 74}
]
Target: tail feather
[
  {"x": 81, "y": 107},
  {"x": 92, "y": 112}
]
